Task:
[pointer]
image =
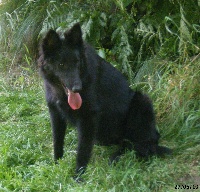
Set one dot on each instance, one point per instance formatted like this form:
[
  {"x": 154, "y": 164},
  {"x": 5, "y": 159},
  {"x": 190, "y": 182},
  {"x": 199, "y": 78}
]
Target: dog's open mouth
[{"x": 74, "y": 99}]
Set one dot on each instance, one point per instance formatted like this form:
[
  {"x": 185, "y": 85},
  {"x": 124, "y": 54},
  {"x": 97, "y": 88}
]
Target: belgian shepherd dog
[{"x": 85, "y": 90}]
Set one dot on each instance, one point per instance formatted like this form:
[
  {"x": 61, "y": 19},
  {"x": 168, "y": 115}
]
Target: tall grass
[
  {"x": 175, "y": 91},
  {"x": 26, "y": 146}
]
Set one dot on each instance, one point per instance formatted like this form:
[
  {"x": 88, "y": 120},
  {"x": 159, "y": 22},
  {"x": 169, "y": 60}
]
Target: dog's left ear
[{"x": 74, "y": 35}]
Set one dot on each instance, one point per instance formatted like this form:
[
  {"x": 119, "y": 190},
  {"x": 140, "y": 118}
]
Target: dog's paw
[
  {"x": 78, "y": 179},
  {"x": 78, "y": 173}
]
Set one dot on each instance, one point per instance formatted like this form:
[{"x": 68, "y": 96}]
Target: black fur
[{"x": 111, "y": 113}]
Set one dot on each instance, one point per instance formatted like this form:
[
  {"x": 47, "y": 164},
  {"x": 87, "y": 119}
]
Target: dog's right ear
[{"x": 51, "y": 41}]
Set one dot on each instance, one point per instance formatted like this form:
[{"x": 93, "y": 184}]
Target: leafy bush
[{"x": 132, "y": 30}]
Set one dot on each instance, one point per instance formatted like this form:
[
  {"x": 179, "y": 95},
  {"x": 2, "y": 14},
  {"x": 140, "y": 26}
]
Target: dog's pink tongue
[{"x": 74, "y": 100}]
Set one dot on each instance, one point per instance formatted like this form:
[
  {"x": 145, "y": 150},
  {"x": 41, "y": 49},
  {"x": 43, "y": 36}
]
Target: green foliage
[{"x": 133, "y": 30}]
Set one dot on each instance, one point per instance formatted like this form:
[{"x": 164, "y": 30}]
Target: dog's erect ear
[
  {"x": 51, "y": 41},
  {"x": 74, "y": 35}
]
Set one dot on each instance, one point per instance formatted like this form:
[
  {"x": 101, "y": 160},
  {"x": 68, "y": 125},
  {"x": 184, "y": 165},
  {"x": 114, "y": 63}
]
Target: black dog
[{"x": 84, "y": 89}]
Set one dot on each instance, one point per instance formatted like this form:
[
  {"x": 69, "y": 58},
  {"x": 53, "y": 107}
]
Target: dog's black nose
[{"x": 76, "y": 88}]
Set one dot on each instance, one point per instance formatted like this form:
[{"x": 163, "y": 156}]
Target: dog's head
[{"x": 63, "y": 57}]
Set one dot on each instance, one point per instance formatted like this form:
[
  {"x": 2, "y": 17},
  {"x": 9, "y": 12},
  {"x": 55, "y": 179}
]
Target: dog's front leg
[
  {"x": 58, "y": 124},
  {"x": 86, "y": 132}
]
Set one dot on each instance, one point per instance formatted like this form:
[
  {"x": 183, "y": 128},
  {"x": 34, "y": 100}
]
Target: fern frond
[{"x": 122, "y": 44}]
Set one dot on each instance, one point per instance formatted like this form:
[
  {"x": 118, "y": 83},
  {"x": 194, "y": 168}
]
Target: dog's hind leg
[
  {"x": 123, "y": 147},
  {"x": 141, "y": 128},
  {"x": 116, "y": 156}
]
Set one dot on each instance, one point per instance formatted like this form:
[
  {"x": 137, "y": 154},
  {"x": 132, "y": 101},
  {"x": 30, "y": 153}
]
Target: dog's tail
[{"x": 162, "y": 151}]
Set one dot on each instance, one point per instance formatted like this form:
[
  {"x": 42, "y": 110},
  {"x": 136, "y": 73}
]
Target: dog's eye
[{"x": 61, "y": 64}]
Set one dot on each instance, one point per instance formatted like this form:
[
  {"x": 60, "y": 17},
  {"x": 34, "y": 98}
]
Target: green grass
[{"x": 26, "y": 162}]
